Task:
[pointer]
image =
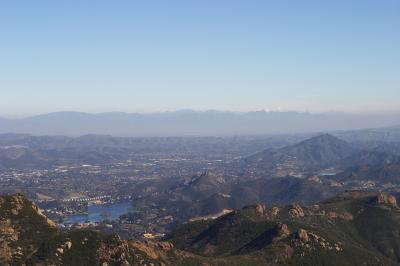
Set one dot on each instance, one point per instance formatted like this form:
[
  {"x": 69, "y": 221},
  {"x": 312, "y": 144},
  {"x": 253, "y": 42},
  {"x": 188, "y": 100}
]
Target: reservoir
[{"x": 98, "y": 213}]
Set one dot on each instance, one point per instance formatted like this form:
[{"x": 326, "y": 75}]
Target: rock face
[
  {"x": 258, "y": 210},
  {"x": 310, "y": 241},
  {"x": 261, "y": 209},
  {"x": 296, "y": 211},
  {"x": 385, "y": 199},
  {"x": 39, "y": 212},
  {"x": 8, "y": 235},
  {"x": 17, "y": 204},
  {"x": 283, "y": 229},
  {"x": 302, "y": 235},
  {"x": 275, "y": 211},
  {"x": 11, "y": 208},
  {"x": 116, "y": 253},
  {"x": 165, "y": 245}
]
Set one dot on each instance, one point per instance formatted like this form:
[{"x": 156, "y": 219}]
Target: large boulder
[
  {"x": 303, "y": 235},
  {"x": 384, "y": 198},
  {"x": 296, "y": 211}
]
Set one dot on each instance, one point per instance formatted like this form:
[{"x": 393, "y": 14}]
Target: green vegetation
[{"x": 355, "y": 228}]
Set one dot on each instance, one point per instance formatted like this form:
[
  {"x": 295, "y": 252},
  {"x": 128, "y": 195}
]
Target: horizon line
[{"x": 149, "y": 112}]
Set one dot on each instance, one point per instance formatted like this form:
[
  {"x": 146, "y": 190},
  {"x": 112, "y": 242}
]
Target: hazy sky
[{"x": 207, "y": 54}]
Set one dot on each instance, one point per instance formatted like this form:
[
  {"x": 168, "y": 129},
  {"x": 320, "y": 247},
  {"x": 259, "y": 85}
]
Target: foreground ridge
[{"x": 354, "y": 228}]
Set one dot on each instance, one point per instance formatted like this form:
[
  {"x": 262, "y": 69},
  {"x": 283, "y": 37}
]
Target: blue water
[
  {"x": 98, "y": 213},
  {"x": 328, "y": 174}
]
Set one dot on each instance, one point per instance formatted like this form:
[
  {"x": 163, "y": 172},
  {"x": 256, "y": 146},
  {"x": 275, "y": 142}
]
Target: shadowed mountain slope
[
  {"x": 28, "y": 238},
  {"x": 317, "y": 151},
  {"x": 356, "y": 228}
]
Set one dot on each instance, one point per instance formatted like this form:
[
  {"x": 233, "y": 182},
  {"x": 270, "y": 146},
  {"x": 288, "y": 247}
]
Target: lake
[{"x": 98, "y": 213}]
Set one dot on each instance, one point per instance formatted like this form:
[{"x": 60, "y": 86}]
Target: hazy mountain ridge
[
  {"x": 190, "y": 123},
  {"x": 320, "y": 151}
]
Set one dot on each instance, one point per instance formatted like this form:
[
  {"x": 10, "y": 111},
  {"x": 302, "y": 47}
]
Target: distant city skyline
[{"x": 141, "y": 56}]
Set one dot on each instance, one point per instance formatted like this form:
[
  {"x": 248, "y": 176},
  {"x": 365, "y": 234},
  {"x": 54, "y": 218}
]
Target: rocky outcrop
[
  {"x": 296, "y": 211},
  {"x": 17, "y": 203},
  {"x": 8, "y": 235},
  {"x": 275, "y": 211},
  {"x": 258, "y": 210},
  {"x": 167, "y": 246},
  {"x": 68, "y": 245},
  {"x": 312, "y": 241},
  {"x": 154, "y": 250},
  {"x": 40, "y": 213},
  {"x": 384, "y": 198},
  {"x": 282, "y": 229},
  {"x": 117, "y": 253},
  {"x": 302, "y": 235},
  {"x": 11, "y": 206},
  {"x": 261, "y": 209}
]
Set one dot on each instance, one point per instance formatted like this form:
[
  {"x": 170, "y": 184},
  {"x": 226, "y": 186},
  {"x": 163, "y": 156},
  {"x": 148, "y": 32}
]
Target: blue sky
[{"x": 98, "y": 56}]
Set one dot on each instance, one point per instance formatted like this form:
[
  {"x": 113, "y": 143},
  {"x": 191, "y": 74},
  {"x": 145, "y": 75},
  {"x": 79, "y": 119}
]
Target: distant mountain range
[{"x": 191, "y": 123}]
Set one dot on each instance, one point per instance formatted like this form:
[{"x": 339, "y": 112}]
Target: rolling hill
[{"x": 318, "y": 152}]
